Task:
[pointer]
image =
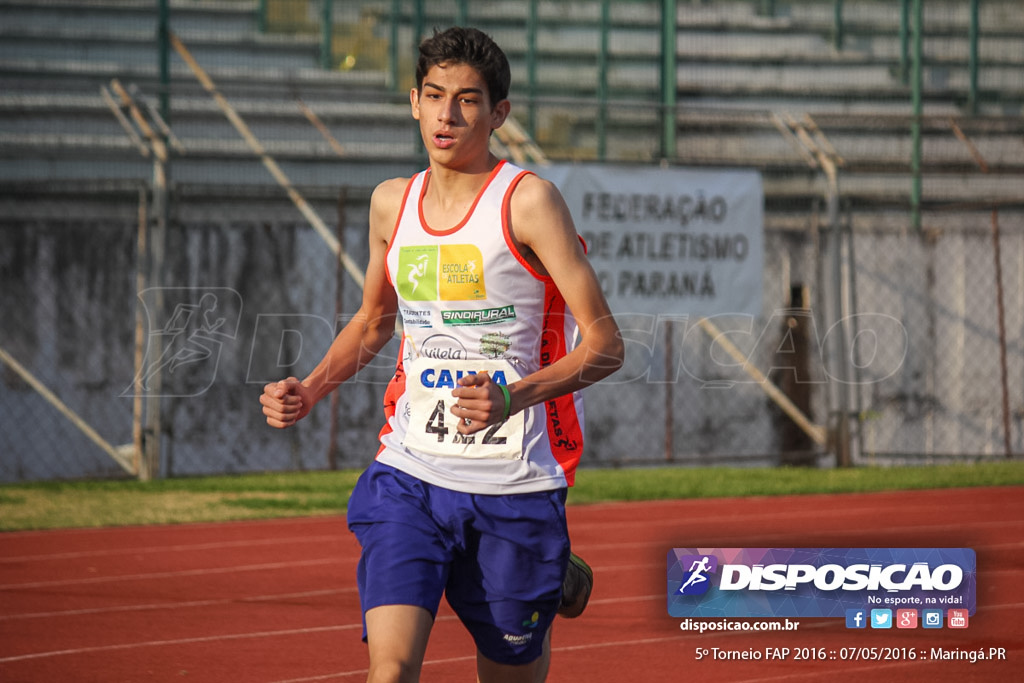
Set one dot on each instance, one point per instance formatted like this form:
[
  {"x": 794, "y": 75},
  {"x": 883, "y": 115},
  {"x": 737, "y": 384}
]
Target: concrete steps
[{"x": 735, "y": 69}]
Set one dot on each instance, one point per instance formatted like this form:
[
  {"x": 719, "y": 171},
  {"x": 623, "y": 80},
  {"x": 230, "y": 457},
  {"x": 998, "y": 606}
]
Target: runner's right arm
[{"x": 289, "y": 400}]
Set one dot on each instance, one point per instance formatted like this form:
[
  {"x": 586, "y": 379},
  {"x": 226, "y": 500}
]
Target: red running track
[{"x": 275, "y": 602}]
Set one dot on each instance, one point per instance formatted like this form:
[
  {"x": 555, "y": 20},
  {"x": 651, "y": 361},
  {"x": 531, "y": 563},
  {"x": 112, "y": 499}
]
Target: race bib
[{"x": 432, "y": 427}]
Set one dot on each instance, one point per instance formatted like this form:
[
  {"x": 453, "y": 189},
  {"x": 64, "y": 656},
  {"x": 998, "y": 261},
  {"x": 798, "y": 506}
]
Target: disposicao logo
[
  {"x": 818, "y": 582},
  {"x": 696, "y": 580}
]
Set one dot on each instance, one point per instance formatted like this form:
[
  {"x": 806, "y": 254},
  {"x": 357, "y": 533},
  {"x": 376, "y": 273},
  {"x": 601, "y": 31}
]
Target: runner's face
[{"x": 455, "y": 114}]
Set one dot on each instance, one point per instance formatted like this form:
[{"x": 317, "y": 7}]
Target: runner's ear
[{"x": 500, "y": 113}]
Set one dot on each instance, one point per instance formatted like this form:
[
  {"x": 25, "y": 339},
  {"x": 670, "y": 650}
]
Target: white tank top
[{"x": 471, "y": 302}]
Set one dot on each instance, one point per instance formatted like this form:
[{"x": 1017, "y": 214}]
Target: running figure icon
[{"x": 697, "y": 573}]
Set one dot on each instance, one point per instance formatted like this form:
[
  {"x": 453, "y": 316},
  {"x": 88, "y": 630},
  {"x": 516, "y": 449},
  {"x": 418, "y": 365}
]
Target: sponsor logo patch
[
  {"x": 482, "y": 316},
  {"x": 447, "y": 272}
]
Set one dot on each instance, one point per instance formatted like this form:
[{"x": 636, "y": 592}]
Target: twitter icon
[{"x": 881, "y": 618}]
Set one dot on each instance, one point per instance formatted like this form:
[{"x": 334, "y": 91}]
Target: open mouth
[{"x": 443, "y": 140}]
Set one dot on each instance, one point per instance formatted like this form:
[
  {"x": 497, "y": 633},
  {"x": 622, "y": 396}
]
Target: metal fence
[
  {"x": 254, "y": 296},
  {"x": 916, "y": 243}
]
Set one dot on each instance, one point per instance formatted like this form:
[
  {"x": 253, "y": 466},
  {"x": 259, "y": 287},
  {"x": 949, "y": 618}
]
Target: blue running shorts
[{"x": 499, "y": 560}]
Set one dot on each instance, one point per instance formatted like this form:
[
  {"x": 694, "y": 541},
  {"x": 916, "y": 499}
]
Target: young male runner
[{"x": 484, "y": 424}]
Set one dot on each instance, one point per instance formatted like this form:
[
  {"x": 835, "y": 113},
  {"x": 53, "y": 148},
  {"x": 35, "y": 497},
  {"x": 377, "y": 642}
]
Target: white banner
[{"x": 669, "y": 241}]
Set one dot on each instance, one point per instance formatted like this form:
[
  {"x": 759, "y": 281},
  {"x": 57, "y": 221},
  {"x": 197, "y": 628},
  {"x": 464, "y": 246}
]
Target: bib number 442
[{"x": 436, "y": 426}]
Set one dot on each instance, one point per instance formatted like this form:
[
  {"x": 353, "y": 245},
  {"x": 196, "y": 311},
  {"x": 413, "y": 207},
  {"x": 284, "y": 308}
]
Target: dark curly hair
[{"x": 469, "y": 46}]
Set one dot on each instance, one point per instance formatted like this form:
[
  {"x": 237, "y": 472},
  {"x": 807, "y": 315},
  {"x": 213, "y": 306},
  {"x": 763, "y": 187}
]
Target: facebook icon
[{"x": 856, "y": 618}]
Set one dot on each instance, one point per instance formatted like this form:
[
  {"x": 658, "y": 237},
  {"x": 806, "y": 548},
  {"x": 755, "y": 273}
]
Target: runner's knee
[{"x": 393, "y": 671}]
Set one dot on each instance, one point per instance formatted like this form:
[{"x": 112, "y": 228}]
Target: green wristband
[{"x": 508, "y": 401}]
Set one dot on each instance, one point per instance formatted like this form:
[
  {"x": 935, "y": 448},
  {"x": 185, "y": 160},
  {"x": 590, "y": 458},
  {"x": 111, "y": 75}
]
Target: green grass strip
[{"x": 54, "y": 505}]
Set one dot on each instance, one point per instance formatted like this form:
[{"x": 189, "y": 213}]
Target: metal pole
[
  {"x": 138, "y": 400},
  {"x": 668, "y": 78},
  {"x": 669, "y": 395},
  {"x": 396, "y": 14},
  {"x": 904, "y": 41},
  {"x": 153, "y": 430},
  {"x": 838, "y": 21},
  {"x": 915, "y": 123},
  {"x": 972, "y": 60},
  {"x": 531, "y": 68},
  {"x": 602, "y": 82},
  {"x": 418, "y": 22},
  {"x": 339, "y": 306},
  {"x": 116, "y": 454},
  {"x": 462, "y": 13},
  {"x": 164, "y": 57},
  {"x": 841, "y": 359},
  {"x": 851, "y": 264},
  {"x": 1000, "y": 310},
  {"x": 261, "y": 16},
  {"x": 326, "y": 35},
  {"x": 816, "y": 432}
]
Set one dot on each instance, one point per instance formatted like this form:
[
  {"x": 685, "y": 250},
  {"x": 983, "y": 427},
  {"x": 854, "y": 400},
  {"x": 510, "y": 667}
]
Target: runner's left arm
[{"x": 543, "y": 226}]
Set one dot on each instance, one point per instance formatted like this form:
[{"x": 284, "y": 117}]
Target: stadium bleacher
[{"x": 736, "y": 68}]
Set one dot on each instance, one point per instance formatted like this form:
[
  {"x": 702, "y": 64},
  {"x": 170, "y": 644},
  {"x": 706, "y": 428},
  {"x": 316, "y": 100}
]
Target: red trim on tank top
[
  {"x": 506, "y": 221},
  {"x": 469, "y": 214},
  {"x": 394, "y": 230},
  {"x": 394, "y": 391},
  {"x": 565, "y": 434}
]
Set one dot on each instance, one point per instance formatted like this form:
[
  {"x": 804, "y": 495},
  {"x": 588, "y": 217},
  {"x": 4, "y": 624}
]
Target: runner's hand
[
  {"x": 286, "y": 402},
  {"x": 479, "y": 403}
]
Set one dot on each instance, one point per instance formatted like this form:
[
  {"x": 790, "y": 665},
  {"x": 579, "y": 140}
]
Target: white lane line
[
  {"x": 185, "y": 547},
  {"x": 817, "y": 516},
  {"x": 192, "y": 640},
  {"x": 726, "y": 542},
  {"x": 179, "y": 641},
  {"x": 331, "y": 519},
  {"x": 177, "y": 605},
  {"x": 166, "y": 575}
]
